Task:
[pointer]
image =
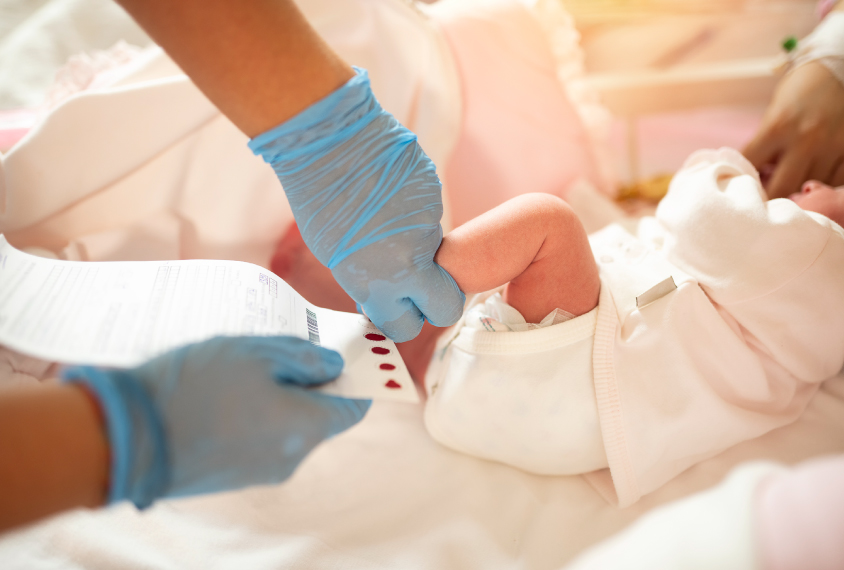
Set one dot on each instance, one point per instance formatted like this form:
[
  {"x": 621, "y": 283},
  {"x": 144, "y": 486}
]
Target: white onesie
[{"x": 738, "y": 348}]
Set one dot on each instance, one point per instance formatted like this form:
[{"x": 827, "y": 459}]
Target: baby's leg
[
  {"x": 417, "y": 353},
  {"x": 537, "y": 245},
  {"x": 299, "y": 267},
  {"x": 533, "y": 242}
]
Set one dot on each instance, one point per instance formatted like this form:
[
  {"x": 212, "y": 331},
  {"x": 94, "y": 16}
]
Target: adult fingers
[
  {"x": 303, "y": 420},
  {"x": 823, "y": 166},
  {"x": 765, "y": 147},
  {"x": 790, "y": 173},
  {"x": 297, "y": 361},
  {"x": 402, "y": 328},
  {"x": 340, "y": 413},
  {"x": 827, "y": 150},
  {"x": 441, "y": 300},
  {"x": 837, "y": 178}
]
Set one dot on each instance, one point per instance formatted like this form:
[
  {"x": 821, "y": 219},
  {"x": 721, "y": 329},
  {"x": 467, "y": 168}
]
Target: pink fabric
[
  {"x": 824, "y": 7},
  {"x": 801, "y": 517},
  {"x": 82, "y": 72},
  {"x": 14, "y": 124},
  {"x": 520, "y": 133}
]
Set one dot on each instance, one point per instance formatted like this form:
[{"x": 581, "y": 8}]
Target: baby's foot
[{"x": 294, "y": 262}]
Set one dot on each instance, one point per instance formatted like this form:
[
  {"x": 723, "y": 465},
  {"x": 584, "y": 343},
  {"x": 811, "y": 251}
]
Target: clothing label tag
[
  {"x": 122, "y": 313},
  {"x": 658, "y": 291}
]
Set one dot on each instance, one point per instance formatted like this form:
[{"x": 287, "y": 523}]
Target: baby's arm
[
  {"x": 775, "y": 269},
  {"x": 533, "y": 243},
  {"x": 723, "y": 231}
]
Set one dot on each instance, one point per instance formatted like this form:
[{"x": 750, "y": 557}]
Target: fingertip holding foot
[{"x": 405, "y": 328}]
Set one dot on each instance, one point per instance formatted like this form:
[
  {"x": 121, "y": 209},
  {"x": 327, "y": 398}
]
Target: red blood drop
[
  {"x": 386, "y": 366},
  {"x": 380, "y": 350},
  {"x": 375, "y": 337},
  {"x": 392, "y": 384}
]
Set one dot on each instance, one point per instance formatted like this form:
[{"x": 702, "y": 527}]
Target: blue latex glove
[
  {"x": 219, "y": 415},
  {"x": 368, "y": 204}
]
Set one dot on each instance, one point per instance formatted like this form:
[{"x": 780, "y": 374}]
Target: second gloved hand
[
  {"x": 368, "y": 204},
  {"x": 218, "y": 415}
]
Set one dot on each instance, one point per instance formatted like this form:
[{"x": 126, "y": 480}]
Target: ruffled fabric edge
[
  {"x": 564, "y": 42},
  {"x": 89, "y": 70},
  {"x": 82, "y": 72}
]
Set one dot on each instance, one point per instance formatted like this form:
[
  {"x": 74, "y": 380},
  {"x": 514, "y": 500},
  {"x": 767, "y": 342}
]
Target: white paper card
[{"x": 123, "y": 313}]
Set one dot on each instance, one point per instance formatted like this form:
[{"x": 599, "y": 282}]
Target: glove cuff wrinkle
[
  {"x": 140, "y": 464},
  {"x": 331, "y": 120}
]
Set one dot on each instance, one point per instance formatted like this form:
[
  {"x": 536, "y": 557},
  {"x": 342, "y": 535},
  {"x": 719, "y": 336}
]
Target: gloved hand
[
  {"x": 222, "y": 414},
  {"x": 368, "y": 204}
]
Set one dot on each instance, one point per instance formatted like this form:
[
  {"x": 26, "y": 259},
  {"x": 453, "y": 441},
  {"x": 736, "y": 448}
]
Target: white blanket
[{"x": 384, "y": 494}]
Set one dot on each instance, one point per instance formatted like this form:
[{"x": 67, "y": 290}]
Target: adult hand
[
  {"x": 219, "y": 415},
  {"x": 802, "y": 133},
  {"x": 366, "y": 198},
  {"x": 368, "y": 204}
]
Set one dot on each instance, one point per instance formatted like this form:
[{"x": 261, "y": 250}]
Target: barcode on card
[{"x": 313, "y": 328}]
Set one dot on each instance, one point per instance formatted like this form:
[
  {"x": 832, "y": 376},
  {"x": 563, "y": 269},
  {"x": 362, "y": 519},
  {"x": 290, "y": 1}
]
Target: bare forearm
[
  {"x": 259, "y": 61},
  {"x": 53, "y": 453}
]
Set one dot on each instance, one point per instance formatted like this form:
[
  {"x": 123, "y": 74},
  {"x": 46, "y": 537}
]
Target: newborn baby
[{"x": 643, "y": 352}]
